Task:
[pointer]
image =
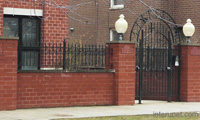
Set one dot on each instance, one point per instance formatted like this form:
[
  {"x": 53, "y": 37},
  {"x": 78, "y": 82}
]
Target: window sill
[{"x": 116, "y": 7}]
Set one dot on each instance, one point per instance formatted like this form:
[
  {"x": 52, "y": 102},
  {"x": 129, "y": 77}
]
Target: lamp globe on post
[
  {"x": 188, "y": 30},
  {"x": 121, "y": 26}
]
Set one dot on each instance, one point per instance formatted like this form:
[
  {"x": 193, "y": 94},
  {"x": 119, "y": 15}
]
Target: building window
[
  {"x": 10, "y": 27},
  {"x": 116, "y": 4},
  {"x": 28, "y": 31},
  {"x": 114, "y": 35}
]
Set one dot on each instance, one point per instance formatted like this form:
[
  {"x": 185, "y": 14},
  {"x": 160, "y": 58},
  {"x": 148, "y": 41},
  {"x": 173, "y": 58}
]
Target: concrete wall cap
[
  {"x": 190, "y": 44},
  {"x": 120, "y": 42},
  {"x": 9, "y": 38}
]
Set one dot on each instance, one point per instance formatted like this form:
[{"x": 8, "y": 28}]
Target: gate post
[
  {"x": 123, "y": 61},
  {"x": 190, "y": 70},
  {"x": 169, "y": 68},
  {"x": 8, "y": 73}
]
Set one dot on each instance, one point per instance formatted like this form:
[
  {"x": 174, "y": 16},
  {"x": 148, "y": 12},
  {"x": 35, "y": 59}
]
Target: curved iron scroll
[{"x": 150, "y": 16}]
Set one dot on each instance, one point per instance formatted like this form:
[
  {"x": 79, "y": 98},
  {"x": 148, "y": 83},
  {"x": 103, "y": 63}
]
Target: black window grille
[{"x": 28, "y": 30}]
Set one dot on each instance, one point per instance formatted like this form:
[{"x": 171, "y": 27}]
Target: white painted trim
[
  {"x": 117, "y": 7},
  {"x": 112, "y": 6},
  {"x": 22, "y": 11},
  {"x": 111, "y": 35},
  {"x": 51, "y": 68}
]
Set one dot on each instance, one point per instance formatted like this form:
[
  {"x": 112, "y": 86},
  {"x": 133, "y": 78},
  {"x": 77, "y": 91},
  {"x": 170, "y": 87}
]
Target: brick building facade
[
  {"x": 54, "y": 22},
  {"x": 99, "y": 17},
  {"x": 92, "y": 20}
]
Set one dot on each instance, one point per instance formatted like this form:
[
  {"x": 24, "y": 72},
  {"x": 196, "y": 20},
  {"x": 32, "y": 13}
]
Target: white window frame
[
  {"x": 111, "y": 35},
  {"x": 22, "y": 11},
  {"x": 112, "y": 6}
]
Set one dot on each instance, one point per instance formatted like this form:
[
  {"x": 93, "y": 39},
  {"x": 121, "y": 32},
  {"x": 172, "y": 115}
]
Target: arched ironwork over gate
[{"x": 157, "y": 56}]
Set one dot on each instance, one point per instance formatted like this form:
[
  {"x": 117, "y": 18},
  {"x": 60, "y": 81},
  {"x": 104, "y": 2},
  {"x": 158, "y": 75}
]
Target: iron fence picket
[{"x": 59, "y": 56}]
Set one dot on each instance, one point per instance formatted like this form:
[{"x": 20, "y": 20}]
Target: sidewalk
[{"x": 148, "y": 107}]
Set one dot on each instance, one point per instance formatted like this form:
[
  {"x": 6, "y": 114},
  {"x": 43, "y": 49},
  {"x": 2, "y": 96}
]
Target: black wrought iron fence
[{"x": 60, "y": 56}]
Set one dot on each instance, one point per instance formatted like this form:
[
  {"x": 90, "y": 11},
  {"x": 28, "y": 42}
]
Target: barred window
[
  {"x": 28, "y": 31},
  {"x": 10, "y": 27}
]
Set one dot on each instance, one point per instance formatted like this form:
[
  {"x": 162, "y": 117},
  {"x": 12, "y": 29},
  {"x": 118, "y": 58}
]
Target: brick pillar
[
  {"x": 123, "y": 60},
  {"x": 190, "y": 73},
  {"x": 8, "y": 73}
]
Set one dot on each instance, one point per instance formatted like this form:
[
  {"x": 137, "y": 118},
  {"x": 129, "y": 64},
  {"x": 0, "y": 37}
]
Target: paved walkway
[{"x": 148, "y": 107}]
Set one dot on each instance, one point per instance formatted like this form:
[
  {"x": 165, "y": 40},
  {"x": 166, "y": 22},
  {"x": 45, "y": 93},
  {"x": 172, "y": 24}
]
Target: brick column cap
[
  {"x": 9, "y": 38},
  {"x": 191, "y": 44},
  {"x": 120, "y": 42}
]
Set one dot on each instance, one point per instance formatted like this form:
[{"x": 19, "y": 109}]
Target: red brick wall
[
  {"x": 54, "y": 26},
  {"x": 8, "y": 74},
  {"x": 43, "y": 89},
  {"x": 64, "y": 89},
  {"x": 55, "y": 22},
  {"x": 190, "y": 70},
  {"x": 77, "y": 89}
]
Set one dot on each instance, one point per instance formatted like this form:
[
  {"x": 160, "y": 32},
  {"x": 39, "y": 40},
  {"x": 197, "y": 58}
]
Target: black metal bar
[
  {"x": 150, "y": 63},
  {"x": 148, "y": 82},
  {"x": 151, "y": 25},
  {"x": 85, "y": 52},
  {"x": 141, "y": 69},
  {"x": 92, "y": 54},
  {"x": 102, "y": 53},
  {"x": 146, "y": 72},
  {"x": 61, "y": 53},
  {"x": 153, "y": 75},
  {"x": 49, "y": 52},
  {"x": 57, "y": 56},
  {"x": 64, "y": 54},
  {"x": 98, "y": 55},
  {"x": 106, "y": 55},
  {"x": 78, "y": 55},
  {"x": 89, "y": 54},
  {"x": 155, "y": 61},
  {"x": 163, "y": 63},
  {"x": 39, "y": 59},
  {"x": 72, "y": 56},
  {"x": 53, "y": 54},
  {"x": 45, "y": 53},
  {"x": 75, "y": 57},
  {"x": 95, "y": 55},
  {"x": 169, "y": 67},
  {"x": 68, "y": 56},
  {"x": 154, "y": 30},
  {"x": 179, "y": 73}
]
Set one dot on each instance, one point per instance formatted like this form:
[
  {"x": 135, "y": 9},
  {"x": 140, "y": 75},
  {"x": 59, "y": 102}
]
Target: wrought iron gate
[{"x": 157, "y": 57}]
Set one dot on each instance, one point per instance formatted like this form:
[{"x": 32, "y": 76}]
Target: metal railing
[{"x": 60, "y": 56}]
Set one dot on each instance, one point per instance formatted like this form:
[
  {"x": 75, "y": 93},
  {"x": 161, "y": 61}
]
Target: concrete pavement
[{"x": 148, "y": 107}]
